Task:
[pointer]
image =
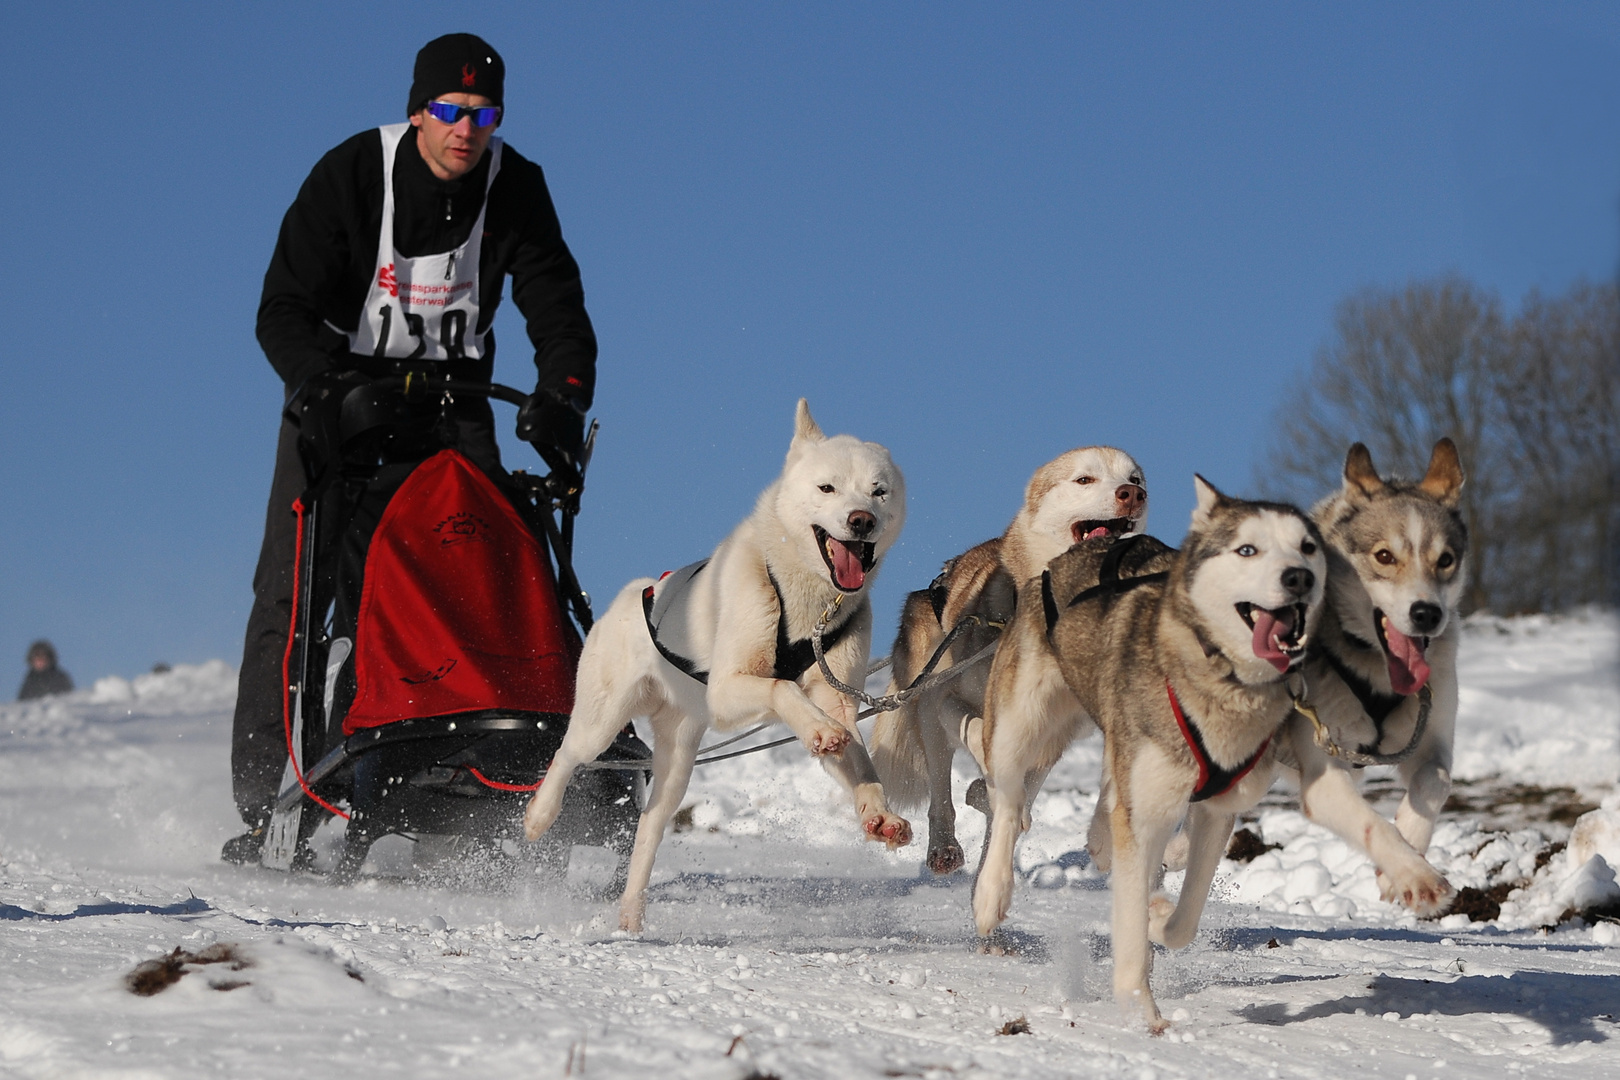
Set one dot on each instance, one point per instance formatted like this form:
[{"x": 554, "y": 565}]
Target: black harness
[
  {"x": 1109, "y": 583},
  {"x": 1213, "y": 779},
  {"x": 939, "y": 592},
  {"x": 1375, "y": 703},
  {"x": 793, "y": 658}
]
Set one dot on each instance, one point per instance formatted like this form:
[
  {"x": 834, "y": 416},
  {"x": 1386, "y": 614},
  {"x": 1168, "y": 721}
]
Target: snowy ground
[{"x": 778, "y": 944}]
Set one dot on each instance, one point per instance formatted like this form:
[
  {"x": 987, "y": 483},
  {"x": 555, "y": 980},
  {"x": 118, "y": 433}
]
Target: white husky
[{"x": 726, "y": 642}]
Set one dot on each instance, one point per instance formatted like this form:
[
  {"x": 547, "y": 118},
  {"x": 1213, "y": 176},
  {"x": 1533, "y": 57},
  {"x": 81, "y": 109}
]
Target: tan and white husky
[{"x": 1089, "y": 492}]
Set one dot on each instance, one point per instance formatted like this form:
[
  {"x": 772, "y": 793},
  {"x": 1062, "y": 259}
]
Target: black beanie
[{"x": 456, "y": 64}]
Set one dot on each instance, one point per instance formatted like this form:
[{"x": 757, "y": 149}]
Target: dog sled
[{"x": 430, "y": 665}]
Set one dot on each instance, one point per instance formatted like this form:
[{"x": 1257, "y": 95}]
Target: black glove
[{"x": 555, "y": 426}]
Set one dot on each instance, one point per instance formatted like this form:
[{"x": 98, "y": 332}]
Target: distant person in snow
[
  {"x": 437, "y": 198},
  {"x": 44, "y": 678}
]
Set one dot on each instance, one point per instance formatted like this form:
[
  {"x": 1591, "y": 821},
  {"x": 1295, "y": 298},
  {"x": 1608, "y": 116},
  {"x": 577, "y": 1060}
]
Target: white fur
[{"x": 731, "y": 622}]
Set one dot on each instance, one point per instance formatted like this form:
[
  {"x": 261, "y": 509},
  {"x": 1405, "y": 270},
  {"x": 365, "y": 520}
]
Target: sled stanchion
[{"x": 281, "y": 837}]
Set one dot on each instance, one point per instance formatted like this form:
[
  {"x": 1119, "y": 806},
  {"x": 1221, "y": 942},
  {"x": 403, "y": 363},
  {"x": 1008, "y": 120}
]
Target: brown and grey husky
[
  {"x": 1388, "y": 641},
  {"x": 1182, "y": 659},
  {"x": 1090, "y": 492}
]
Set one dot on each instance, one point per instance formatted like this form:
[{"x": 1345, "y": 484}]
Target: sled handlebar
[{"x": 418, "y": 385}]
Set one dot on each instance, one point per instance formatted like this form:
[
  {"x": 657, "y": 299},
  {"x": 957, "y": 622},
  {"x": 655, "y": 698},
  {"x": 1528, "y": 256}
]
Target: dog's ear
[
  {"x": 1359, "y": 472},
  {"x": 804, "y": 425},
  {"x": 1444, "y": 480},
  {"x": 1046, "y": 478},
  {"x": 1208, "y": 500}
]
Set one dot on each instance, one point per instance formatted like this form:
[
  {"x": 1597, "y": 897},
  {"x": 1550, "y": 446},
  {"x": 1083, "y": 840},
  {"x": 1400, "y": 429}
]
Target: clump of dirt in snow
[
  {"x": 155, "y": 976},
  {"x": 1482, "y": 905},
  {"x": 1246, "y": 846},
  {"x": 1017, "y": 1026}
]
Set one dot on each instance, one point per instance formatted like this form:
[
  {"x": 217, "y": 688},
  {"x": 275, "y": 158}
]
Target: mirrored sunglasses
[{"x": 446, "y": 113}]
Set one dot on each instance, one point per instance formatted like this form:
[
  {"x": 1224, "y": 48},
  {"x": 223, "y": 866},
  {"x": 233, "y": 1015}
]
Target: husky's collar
[
  {"x": 793, "y": 658},
  {"x": 1213, "y": 779}
]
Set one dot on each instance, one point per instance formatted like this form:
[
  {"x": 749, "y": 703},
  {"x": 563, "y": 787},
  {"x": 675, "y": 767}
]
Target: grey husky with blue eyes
[{"x": 1183, "y": 659}]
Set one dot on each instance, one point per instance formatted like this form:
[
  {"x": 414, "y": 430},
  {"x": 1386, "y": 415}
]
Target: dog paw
[
  {"x": 823, "y": 741},
  {"x": 536, "y": 819},
  {"x": 1137, "y": 1005},
  {"x": 631, "y": 915},
  {"x": 947, "y": 858},
  {"x": 893, "y": 830},
  {"x": 991, "y": 902},
  {"x": 1428, "y": 895},
  {"x": 1175, "y": 852},
  {"x": 1160, "y": 908}
]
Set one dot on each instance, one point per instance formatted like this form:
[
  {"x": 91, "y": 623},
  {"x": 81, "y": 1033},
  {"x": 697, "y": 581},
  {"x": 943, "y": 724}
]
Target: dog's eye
[
  {"x": 1085, "y": 479},
  {"x": 1308, "y": 547},
  {"x": 1444, "y": 561},
  {"x": 1385, "y": 557},
  {"x": 879, "y": 492},
  {"x": 826, "y": 489},
  {"x": 1137, "y": 480},
  {"x": 1247, "y": 550}
]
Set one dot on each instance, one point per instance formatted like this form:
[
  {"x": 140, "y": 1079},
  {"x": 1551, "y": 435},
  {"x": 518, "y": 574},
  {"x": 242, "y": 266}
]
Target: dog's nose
[
  {"x": 861, "y": 524},
  {"x": 1297, "y": 580},
  {"x": 1129, "y": 498},
  {"x": 1426, "y": 617}
]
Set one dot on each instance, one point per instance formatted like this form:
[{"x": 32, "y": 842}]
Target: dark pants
[{"x": 258, "y": 740}]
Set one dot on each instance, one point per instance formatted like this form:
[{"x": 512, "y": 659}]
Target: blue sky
[{"x": 978, "y": 233}]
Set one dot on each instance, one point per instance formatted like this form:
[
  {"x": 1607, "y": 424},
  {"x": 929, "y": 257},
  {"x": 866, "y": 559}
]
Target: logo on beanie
[{"x": 469, "y": 76}]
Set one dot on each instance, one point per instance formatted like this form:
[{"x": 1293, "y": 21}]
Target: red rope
[
  {"x": 500, "y": 786},
  {"x": 286, "y": 667}
]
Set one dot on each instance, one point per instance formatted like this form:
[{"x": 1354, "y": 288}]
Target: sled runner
[{"x": 430, "y": 664}]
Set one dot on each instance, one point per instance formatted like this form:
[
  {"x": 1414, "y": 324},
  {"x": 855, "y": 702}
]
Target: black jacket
[
  {"x": 38, "y": 684},
  {"x": 327, "y": 252}
]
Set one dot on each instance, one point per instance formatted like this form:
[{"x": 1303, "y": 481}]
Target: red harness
[{"x": 1213, "y": 780}]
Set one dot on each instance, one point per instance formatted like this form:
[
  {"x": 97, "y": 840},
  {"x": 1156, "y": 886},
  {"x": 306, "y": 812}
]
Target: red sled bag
[{"x": 459, "y": 610}]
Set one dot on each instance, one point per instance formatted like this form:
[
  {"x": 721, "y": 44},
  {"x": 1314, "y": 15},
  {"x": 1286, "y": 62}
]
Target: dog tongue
[
  {"x": 1408, "y": 669},
  {"x": 1101, "y": 530},
  {"x": 847, "y": 568},
  {"x": 1267, "y": 626}
]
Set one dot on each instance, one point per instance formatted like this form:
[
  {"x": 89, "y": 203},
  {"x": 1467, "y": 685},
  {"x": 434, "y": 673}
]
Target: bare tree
[
  {"x": 1404, "y": 368},
  {"x": 1556, "y": 389},
  {"x": 1532, "y": 403}
]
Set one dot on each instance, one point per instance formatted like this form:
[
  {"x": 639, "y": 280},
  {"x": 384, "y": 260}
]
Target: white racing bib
[{"x": 424, "y": 308}]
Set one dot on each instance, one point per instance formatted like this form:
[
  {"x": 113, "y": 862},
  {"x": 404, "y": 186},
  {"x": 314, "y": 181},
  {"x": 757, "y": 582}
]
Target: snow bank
[
  {"x": 779, "y": 942},
  {"x": 1540, "y": 699}
]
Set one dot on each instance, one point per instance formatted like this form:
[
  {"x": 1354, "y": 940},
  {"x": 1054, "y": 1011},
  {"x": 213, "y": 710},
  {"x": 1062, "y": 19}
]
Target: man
[
  {"x": 430, "y": 215},
  {"x": 44, "y": 678}
]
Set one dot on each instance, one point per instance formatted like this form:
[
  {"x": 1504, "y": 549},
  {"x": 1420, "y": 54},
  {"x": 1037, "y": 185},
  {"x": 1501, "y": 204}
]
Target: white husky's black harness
[{"x": 793, "y": 658}]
